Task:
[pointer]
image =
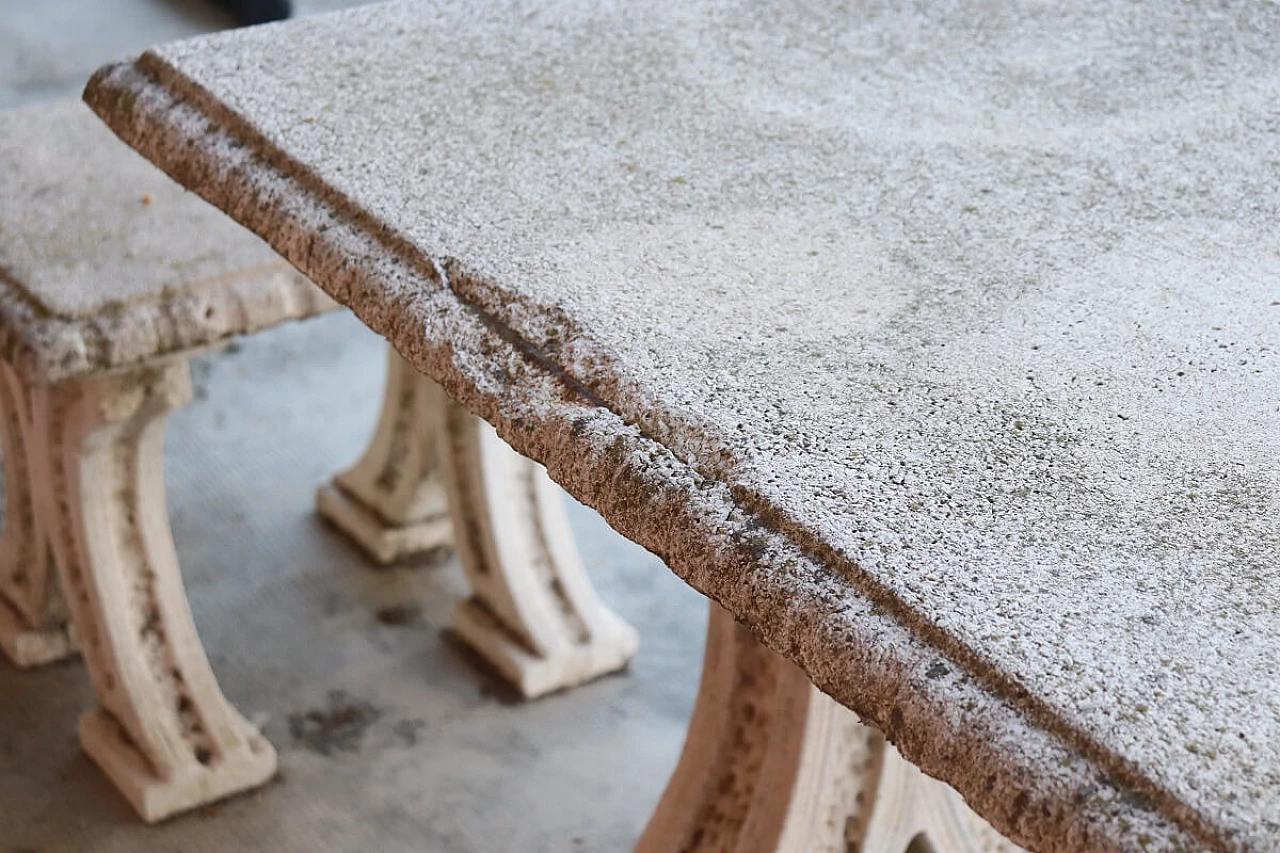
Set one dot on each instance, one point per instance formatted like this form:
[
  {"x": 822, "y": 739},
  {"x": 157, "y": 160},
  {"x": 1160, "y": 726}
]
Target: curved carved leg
[
  {"x": 391, "y": 501},
  {"x": 163, "y": 733},
  {"x": 533, "y": 613},
  {"x": 772, "y": 764},
  {"x": 34, "y": 627}
]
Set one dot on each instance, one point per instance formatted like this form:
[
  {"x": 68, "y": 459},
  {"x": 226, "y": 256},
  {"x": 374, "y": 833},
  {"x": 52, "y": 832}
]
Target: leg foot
[
  {"x": 391, "y": 502},
  {"x": 771, "y": 764},
  {"x": 164, "y": 733},
  {"x": 110, "y": 747},
  {"x": 27, "y": 646},
  {"x": 34, "y": 626}
]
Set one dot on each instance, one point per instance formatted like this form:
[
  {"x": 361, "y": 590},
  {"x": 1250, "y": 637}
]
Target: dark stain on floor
[
  {"x": 397, "y": 615},
  {"x": 407, "y": 731},
  {"x": 338, "y": 728}
]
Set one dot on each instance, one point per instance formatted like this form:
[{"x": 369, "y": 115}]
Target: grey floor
[{"x": 389, "y": 740}]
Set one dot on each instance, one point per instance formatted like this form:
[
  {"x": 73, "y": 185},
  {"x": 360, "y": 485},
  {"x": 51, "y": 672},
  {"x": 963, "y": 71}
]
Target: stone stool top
[
  {"x": 941, "y": 347},
  {"x": 105, "y": 262}
]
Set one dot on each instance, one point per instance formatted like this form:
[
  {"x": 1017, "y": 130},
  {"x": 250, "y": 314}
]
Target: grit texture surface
[
  {"x": 105, "y": 261},
  {"x": 941, "y": 348}
]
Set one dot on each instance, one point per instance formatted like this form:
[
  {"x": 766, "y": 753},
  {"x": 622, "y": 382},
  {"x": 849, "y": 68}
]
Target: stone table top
[
  {"x": 939, "y": 345},
  {"x": 105, "y": 261}
]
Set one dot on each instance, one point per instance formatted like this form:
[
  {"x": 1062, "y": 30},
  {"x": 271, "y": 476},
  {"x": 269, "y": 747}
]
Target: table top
[
  {"x": 105, "y": 261},
  {"x": 939, "y": 345}
]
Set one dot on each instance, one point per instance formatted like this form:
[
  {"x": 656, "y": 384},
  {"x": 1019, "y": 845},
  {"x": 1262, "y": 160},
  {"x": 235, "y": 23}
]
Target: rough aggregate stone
[
  {"x": 914, "y": 339},
  {"x": 105, "y": 262}
]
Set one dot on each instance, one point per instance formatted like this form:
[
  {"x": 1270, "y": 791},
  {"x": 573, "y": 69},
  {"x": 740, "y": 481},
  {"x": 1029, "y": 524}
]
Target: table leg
[
  {"x": 771, "y": 764},
  {"x": 532, "y": 613},
  {"x": 34, "y": 626},
  {"x": 163, "y": 733},
  {"x": 391, "y": 501}
]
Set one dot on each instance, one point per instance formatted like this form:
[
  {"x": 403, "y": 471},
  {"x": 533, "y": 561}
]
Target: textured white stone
[
  {"x": 914, "y": 338},
  {"x": 110, "y": 274},
  {"x": 106, "y": 263}
]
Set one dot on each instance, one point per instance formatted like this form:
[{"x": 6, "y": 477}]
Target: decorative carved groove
[
  {"x": 34, "y": 624},
  {"x": 772, "y": 765},
  {"x": 163, "y": 733},
  {"x": 532, "y": 613}
]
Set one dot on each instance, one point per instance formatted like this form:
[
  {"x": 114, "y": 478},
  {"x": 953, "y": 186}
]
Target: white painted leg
[
  {"x": 34, "y": 627},
  {"x": 163, "y": 733},
  {"x": 532, "y": 614},
  {"x": 391, "y": 502},
  {"x": 772, "y": 765}
]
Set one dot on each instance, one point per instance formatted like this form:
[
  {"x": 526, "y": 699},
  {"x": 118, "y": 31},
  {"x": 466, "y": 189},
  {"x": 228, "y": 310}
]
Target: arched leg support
[
  {"x": 391, "y": 501},
  {"x": 770, "y": 764},
  {"x": 434, "y": 473},
  {"x": 163, "y": 733},
  {"x": 532, "y": 613},
  {"x": 34, "y": 625}
]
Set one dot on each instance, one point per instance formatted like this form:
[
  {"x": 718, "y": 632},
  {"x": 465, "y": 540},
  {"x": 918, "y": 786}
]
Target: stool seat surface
[{"x": 96, "y": 244}]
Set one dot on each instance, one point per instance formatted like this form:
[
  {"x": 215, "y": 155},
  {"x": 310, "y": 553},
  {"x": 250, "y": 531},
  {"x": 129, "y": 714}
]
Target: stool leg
[
  {"x": 770, "y": 764},
  {"x": 163, "y": 733},
  {"x": 532, "y": 614},
  {"x": 391, "y": 501},
  {"x": 34, "y": 626}
]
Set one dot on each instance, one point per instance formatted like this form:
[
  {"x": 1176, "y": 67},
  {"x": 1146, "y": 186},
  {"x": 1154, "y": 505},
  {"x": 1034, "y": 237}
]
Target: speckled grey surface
[
  {"x": 104, "y": 261},
  {"x": 909, "y": 337}
]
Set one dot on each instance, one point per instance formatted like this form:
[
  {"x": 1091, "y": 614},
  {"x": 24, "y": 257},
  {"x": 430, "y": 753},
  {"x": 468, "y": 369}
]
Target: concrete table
[{"x": 939, "y": 348}]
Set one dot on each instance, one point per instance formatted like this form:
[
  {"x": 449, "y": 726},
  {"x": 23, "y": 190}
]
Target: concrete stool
[{"x": 110, "y": 276}]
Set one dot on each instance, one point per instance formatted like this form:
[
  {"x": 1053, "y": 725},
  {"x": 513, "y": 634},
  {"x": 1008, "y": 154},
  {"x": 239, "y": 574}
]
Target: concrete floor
[{"x": 389, "y": 740}]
